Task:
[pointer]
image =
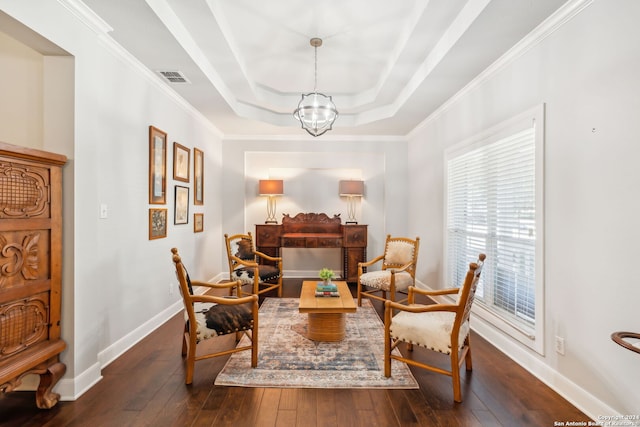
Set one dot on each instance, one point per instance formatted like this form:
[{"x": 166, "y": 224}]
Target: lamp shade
[
  {"x": 270, "y": 187},
  {"x": 351, "y": 188}
]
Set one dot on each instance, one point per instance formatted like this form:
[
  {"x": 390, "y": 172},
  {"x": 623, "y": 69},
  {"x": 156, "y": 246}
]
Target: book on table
[
  {"x": 323, "y": 287},
  {"x": 322, "y": 294}
]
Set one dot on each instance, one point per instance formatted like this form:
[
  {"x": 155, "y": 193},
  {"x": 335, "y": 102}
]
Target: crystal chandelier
[{"x": 316, "y": 111}]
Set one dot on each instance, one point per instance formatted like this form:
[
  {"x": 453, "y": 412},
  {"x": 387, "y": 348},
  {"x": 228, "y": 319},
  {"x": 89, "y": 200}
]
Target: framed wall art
[
  {"x": 181, "y": 214},
  {"x": 198, "y": 177},
  {"x": 157, "y": 223},
  {"x": 198, "y": 222},
  {"x": 181, "y": 162},
  {"x": 157, "y": 166}
]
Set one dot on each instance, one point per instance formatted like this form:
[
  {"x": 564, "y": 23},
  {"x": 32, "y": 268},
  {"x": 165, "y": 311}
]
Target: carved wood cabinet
[
  {"x": 311, "y": 230},
  {"x": 30, "y": 269}
]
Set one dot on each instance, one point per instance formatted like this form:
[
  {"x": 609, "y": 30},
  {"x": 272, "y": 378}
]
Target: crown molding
[
  {"x": 549, "y": 26},
  {"x": 88, "y": 17}
]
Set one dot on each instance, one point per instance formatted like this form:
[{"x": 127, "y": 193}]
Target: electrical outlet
[
  {"x": 560, "y": 345},
  {"x": 104, "y": 211},
  {"x": 170, "y": 288}
]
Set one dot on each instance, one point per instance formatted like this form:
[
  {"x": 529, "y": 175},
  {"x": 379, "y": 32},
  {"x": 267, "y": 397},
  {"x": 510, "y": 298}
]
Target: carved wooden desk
[{"x": 312, "y": 230}]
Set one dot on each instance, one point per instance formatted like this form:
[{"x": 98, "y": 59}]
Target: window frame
[{"x": 532, "y": 337}]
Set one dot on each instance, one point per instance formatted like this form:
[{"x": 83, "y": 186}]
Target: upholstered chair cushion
[
  {"x": 245, "y": 274},
  {"x": 218, "y": 319},
  {"x": 398, "y": 253},
  {"x": 245, "y": 249},
  {"x": 382, "y": 280},
  {"x": 431, "y": 329}
]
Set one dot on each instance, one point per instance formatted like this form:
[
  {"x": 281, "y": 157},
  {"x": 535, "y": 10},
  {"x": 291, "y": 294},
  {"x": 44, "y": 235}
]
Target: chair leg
[
  {"x": 254, "y": 334},
  {"x": 359, "y": 293},
  {"x": 387, "y": 342},
  {"x": 455, "y": 376},
  {"x": 467, "y": 357},
  {"x": 190, "y": 365},
  {"x": 184, "y": 342},
  {"x": 254, "y": 348}
]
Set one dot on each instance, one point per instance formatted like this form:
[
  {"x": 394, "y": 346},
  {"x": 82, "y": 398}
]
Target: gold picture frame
[
  {"x": 181, "y": 212},
  {"x": 198, "y": 177},
  {"x": 198, "y": 222},
  {"x": 157, "y": 166},
  {"x": 157, "y": 223},
  {"x": 181, "y": 162}
]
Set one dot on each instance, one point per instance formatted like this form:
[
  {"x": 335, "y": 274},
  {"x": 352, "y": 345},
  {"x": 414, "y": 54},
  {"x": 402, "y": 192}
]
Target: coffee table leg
[{"x": 326, "y": 326}]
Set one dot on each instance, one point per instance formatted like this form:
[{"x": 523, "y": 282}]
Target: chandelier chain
[{"x": 315, "y": 70}]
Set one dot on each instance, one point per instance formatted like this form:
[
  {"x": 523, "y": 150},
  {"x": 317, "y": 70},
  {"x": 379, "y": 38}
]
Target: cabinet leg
[{"x": 45, "y": 398}]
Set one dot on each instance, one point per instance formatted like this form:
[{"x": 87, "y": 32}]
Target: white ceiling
[{"x": 387, "y": 64}]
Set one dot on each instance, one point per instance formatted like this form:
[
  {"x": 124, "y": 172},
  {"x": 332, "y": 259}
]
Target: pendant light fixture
[{"x": 316, "y": 111}]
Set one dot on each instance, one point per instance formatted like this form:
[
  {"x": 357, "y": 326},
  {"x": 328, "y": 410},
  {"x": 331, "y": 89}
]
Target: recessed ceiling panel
[{"x": 387, "y": 65}]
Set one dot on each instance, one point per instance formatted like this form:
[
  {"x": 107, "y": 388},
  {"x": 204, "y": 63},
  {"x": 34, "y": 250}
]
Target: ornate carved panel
[
  {"x": 20, "y": 257},
  {"x": 23, "y": 323},
  {"x": 24, "y": 191}
]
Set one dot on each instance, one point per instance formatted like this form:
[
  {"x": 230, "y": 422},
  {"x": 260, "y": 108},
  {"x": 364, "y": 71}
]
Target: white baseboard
[
  {"x": 116, "y": 349},
  {"x": 534, "y": 364},
  {"x": 72, "y": 388}
]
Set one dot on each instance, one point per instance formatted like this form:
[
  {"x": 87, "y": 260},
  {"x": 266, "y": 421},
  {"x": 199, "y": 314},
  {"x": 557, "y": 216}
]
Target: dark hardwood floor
[{"x": 145, "y": 387}]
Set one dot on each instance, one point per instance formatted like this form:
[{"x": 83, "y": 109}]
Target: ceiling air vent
[{"x": 173, "y": 76}]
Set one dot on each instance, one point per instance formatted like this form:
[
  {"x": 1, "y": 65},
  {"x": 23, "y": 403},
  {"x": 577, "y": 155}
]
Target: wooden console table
[{"x": 312, "y": 230}]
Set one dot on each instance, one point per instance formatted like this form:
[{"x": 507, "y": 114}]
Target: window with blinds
[{"x": 492, "y": 208}]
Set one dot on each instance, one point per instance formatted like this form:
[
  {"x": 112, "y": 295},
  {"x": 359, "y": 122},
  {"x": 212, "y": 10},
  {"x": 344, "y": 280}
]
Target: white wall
[
  {"x": 21, "y": 100},
  {"x": 311, "y": 171},
  {"x": 117, "y": 288},
  {"x": 586, "y": 72}
]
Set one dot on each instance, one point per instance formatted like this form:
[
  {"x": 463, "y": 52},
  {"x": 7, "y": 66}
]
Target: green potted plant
[{"x": 326, "y": 275}]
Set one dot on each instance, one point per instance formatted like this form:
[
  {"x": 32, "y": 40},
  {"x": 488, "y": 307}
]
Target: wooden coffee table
[{"x": 326, "y": 314}]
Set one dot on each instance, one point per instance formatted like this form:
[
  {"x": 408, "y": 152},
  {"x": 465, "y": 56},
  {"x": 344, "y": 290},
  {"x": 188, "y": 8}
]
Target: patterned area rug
[{"x": 287, "y": 359}]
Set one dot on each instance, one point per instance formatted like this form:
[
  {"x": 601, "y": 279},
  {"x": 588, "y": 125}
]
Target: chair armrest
[
  {"x": 223, "y": 300},
  {"x": 227, "y": 285},
  {"x": 267, "y": 257},
  {"x": 400, "y": 269},
  {"x": 244, "y": 262},
  {"x": 371, "y": 262},
  {"x": 214, "y": 285},
  {"x": 419, "y": 308},
  {"x": 430, "y": 294},
  {"x": 426, "y": 292}
]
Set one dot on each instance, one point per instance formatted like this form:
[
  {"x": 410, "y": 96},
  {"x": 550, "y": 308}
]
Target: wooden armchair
[
  {"x": 208, "y": 316},
  {"x": 397, "y": 273},
  {"x": 439, "y": 327},
  {"x": 245, "y": 266}
]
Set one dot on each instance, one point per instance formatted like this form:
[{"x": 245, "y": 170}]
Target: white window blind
[{"x": 491, "y": 208}]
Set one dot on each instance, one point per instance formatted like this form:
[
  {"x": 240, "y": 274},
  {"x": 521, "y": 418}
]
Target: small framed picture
[
  {"x": 157, "y": 166},
  {"x": 157, "y": 223},
  {"x": 181, "y": 159},
  {"x": 198, "y": 177},
  {"x": 181, "y": 214},
  {"x": 198, "y": 222}
]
